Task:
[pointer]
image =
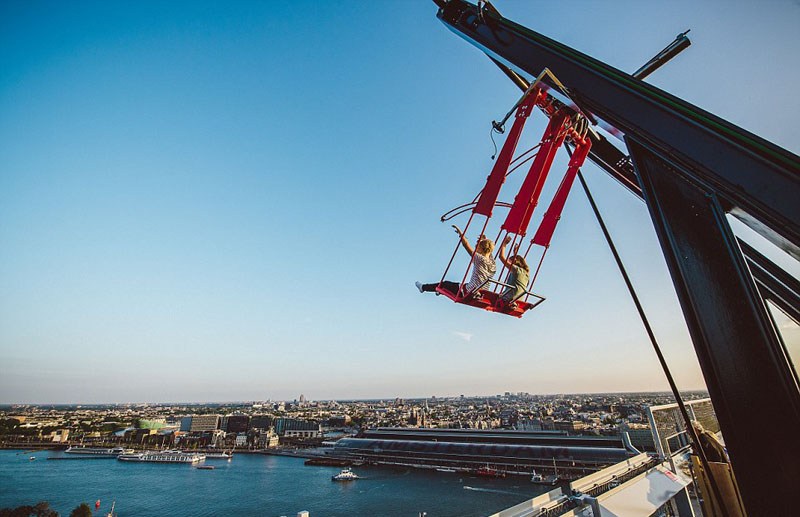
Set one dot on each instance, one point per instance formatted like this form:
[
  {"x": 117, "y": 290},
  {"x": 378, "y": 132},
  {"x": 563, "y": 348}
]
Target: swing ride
[
  {"x": 565, "y": 125},
  {"x": 694, "y": 171}
]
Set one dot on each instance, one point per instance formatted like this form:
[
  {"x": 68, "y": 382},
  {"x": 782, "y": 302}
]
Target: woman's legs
[{"x": 429, "y": 288}]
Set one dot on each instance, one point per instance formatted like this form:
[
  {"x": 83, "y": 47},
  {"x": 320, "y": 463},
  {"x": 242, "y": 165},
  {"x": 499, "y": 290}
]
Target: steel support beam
[
  {"x": 774, "y": 284},
  {"x": 751, "y": 381},
  {"x": 744, "y": 170}
]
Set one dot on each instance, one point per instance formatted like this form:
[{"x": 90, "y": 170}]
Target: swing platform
[{"x": 489, "y": 301}]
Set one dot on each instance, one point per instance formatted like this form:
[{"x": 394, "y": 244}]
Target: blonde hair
[
  {"x": 519, "y": 261},
  {"x": 485, "y": 246}
]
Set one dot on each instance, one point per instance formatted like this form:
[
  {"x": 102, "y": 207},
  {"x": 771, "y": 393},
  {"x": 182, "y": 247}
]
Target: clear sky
[{"x": 209, "y": 201}]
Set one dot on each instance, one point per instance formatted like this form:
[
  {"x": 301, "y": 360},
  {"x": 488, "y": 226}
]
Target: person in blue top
[{"x": 518, "y": 276}]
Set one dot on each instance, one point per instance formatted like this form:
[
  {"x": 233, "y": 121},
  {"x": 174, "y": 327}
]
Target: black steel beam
[
  {"x": 744, "y": 362},
  {"x": 775, "y": 284},
  {"x": 744, "y": 170}
]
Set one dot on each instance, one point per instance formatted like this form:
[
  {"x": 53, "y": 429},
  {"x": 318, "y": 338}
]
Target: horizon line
[{"x": 373, "y": 399}]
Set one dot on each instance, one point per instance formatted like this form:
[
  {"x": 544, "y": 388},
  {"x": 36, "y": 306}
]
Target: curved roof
[
  {"x": 546, "y": 438},
  {"x": 478, "y": 451}
]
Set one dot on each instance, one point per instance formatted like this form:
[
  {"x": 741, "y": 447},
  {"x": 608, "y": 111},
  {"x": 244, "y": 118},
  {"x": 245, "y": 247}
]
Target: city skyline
[
  {"x": 257, "y": 401},
  {"x": 207, "y": 203}
]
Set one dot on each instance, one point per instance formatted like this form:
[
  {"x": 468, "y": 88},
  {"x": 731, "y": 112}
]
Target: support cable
[{"x": 687, "y": 421}]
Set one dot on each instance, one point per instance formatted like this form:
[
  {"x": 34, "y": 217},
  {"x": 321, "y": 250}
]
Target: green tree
[
  {"x": 82, "y": 510},
  {"x": 41, "y": 509}
]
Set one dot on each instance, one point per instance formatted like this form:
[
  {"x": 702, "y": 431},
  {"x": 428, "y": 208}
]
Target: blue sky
[{"x": 201, "y": 201}]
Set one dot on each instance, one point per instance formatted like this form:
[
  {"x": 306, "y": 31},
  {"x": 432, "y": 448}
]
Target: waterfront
[{"x": 251, "y": 484}]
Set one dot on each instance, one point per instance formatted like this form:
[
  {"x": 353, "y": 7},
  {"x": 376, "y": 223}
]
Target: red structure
[{"x": 561, "y": 127}]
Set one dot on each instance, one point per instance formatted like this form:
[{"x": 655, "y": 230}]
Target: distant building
[
  {"x": 416, "y": 418},
  {"x": 186, "y": 423},
  {"x": 204, "y": 423},
  {"x": 155, "y": 423},
  {"x": 529, "y": 424},
  {"x": 261, "y": 422},
  {"x": 138, "y": 435},
  {"x": 60, "y": 436},
  {"x": 509, "y": 418},
  {"x": 569, "y": 426},
  {"x": 304, "y": 433},
  {"x": 294, "y": 428},
  {"x": 235, "y": 423},
  {"x": 339, "y": 421},
  {"x": 468, "y": 449},
  {"x": 267, "y": 440}
]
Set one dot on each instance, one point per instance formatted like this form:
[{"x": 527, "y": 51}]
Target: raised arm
[
  {"x": 464, "y": 241},
  {"x": 503, "y": 258}
]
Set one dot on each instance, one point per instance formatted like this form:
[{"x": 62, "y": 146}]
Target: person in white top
[{"x": 483, "y": 268}]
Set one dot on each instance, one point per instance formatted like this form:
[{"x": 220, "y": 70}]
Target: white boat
[
  {"x": 163, "y": 457},
  {"x": 539, "y": 479},
  {"x": 219, "y": 455},
  {"x": 444, "y": 469},
  {"x": 345, "y": 475},
  {"x": 97, "y": 452}
]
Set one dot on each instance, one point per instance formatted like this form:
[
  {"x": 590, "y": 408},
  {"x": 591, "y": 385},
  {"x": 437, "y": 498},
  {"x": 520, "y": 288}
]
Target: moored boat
[
  {"x": 97, "y": 452},
  {"x": 489, "y": 472},
  {"x": 539, "y": 479},
  {"x": 163, "y": 457}
]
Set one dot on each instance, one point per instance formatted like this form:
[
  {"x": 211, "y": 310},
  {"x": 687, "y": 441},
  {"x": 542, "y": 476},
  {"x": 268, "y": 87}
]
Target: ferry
[
  {"x": 97, "y": 452},
  {"x": 345, "y": 475},
  {"x": 163, "y": 457}
]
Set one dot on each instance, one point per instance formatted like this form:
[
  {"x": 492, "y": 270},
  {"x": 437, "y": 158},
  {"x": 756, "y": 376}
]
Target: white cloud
[{"x": 466, "y": 336}]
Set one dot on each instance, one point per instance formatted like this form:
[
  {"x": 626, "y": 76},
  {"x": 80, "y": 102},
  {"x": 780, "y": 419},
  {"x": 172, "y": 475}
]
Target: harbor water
[{"x": 250, "y": 484}]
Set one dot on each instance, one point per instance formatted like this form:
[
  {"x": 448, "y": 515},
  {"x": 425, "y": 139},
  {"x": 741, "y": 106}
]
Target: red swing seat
[{"x": 489, "y": 301}]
